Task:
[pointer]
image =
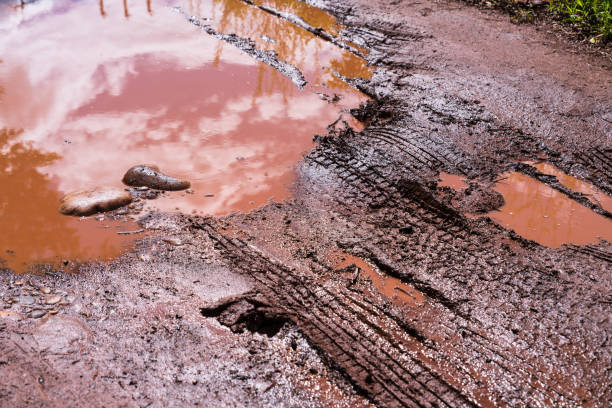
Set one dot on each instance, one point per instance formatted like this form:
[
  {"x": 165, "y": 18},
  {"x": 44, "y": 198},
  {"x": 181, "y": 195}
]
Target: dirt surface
[{"x": 260, "y": 309}]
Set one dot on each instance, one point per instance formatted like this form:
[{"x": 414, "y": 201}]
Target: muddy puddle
[
  {"x": 88, "y": 90},
  {"x": 593, "y": 194},
  {"x": 452, "y": 180},
  {"x": 543, "y": 214},
  {"x": 390, "y": 287}
]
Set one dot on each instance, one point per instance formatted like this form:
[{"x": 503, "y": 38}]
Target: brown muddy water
[
  {"x": 452, "y": 180},
  {"x": 88, "y": 90},
  {"x": 390, "y": 287},
  {"x": 542, "y": 214}
]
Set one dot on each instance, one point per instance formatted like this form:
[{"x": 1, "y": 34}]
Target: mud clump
[
  {"x": 95, "y": 200},
  {"x": 150, "y": 176},
  {"x": 477, "y": 199}
]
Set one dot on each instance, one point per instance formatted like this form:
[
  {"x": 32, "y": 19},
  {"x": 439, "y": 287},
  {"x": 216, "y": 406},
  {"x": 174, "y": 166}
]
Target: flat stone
[
  {"x": 37, "y": 314},
  {"x": 26, "y": 300},
  {"x": 173, "y": 241},
  {"x": 61, "y": 334},
  {"x": 53, "y": 300},
  {"x": 144, "y": 175},
  {"x": 94, "y": 200}
]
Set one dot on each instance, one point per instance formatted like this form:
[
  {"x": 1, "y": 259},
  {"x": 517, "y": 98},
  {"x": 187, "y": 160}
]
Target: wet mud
[{"x": 374, "y": 273}]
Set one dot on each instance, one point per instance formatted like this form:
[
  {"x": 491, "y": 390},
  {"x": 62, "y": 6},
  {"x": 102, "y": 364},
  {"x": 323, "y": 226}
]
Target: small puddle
[
  {"x": 392, "y": 288},
  {"x": 542, "y": 214},
  {"x": 452, "y": 180},
  {"x": 89, "y": 90},
  {"x": 593, "y": 194}
]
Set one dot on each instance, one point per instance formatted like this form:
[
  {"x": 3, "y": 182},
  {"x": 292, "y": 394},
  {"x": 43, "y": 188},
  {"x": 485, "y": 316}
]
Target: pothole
[{"x": 119, "y": 86}]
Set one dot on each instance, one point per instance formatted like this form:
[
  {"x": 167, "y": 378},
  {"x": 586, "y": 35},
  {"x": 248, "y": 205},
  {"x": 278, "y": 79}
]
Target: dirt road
[{"x": 479, "y": 315}]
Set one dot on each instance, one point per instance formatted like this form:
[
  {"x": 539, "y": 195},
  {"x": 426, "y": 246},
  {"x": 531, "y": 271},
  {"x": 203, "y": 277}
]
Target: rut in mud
[
  {"x": 478, "y": 315},
  {"x": 504, "y": 320}
]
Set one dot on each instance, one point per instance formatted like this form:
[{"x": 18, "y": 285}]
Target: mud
[
  {"x": 500, "y": 320},
  {"x": 150, "y": 176}
]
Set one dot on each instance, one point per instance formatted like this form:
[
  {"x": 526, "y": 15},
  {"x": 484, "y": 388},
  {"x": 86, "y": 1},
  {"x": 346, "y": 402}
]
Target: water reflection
[
  {"x": 316, "y": 58},
  {"x": 33, "y": 230},
  {"x": 103, "y": 94},
  {"x": 596, "y": 196},
  {"x": 540, "y": 213}
]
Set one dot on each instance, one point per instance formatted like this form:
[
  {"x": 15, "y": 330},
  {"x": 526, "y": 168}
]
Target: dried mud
[{"x": 500, "y": 320}]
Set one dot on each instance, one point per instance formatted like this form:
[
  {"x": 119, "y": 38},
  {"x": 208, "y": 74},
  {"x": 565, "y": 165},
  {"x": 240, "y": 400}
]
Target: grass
[{"x": 593, "y": 17}]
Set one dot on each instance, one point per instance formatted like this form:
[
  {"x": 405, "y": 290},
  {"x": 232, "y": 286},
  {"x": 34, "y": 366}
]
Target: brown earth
[{"x": 257, "y": 310}]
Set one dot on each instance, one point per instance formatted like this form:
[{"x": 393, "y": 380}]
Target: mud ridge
[
  {"x": 303, "y": 24},
  {"x": 248, "y": 46}
]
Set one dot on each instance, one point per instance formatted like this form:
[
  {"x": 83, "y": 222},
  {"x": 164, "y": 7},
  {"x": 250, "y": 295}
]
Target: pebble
[
  {"x": 150, "y": 176},
  {"x": 19, "y": 282},
  {"x": 189, "y": 191},
  {"x": 94, "y": 200},
  {"x": 46, "y": 291},
  {"x": 53, "y": 300},
  {"x": 173, "y": 241},
  {"x": 26, "y": 300},
  {"x": 37, "y": 313}
]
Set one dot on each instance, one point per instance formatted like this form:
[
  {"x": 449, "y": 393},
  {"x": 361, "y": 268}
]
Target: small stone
[
  {"x": 37, "y": 314},
  {"x": 189, "y": 191},
  {"x": 26, "y": 300},
  {"x": 53, "y": 312},
  {"x": 173, "y": 241},
  {"x": 53, "y": 300},
  {"x": 19, "y": 282},
  {"x": 46, "y": 291},
  {"x": 94, "y": 200},
  {"x": 152, "y": 194},
  {"x": 144, "y": 257},
  {"x": 209, "y": 195},
  {"x": 408, "y": 229},
  {"x": 150, "y": 176}
]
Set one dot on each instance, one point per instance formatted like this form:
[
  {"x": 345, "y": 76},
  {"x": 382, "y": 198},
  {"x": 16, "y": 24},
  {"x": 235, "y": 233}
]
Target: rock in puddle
[
  {"x": 150, "y": 176},
  {"x": 94, "y": 200}
]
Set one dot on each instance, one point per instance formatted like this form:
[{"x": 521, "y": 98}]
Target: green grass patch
[{"x": 593, "y": 17}]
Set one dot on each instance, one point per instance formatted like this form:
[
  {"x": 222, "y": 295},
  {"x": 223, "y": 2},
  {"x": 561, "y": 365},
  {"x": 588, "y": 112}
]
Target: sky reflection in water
[{"x": 93, "y": 89}]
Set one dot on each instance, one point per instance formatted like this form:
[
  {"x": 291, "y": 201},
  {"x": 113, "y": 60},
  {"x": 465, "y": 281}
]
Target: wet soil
[{"x": 496, "y": 319}]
